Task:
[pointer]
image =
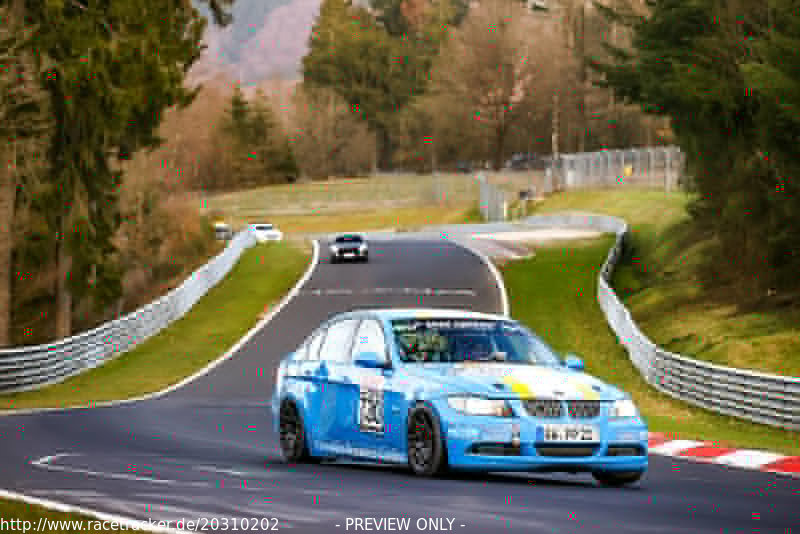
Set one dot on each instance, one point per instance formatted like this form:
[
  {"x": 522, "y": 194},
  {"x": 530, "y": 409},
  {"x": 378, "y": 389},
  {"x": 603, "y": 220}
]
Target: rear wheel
[
  {"x": 622, "y": 478},
  {"x": 293, "y": 435},
  {"x": 427, "y": 452}
]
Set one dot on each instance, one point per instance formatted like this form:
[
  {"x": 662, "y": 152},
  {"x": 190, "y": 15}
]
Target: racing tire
[
  {"x": 293, "y": 435},
  {"x": 334, "y": 259},
  {"x": 427, "y": 451},
  {"x": 615, "y": 480}
]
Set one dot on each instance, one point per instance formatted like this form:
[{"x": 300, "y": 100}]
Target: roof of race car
[{"x": 390, "y": 314}]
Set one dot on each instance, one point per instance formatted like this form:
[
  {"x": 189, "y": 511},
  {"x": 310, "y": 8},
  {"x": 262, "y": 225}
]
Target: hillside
[{"x": 266, "y": 40}]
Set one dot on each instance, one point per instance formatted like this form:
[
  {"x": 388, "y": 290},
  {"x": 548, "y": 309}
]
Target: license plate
[{"x": 570, "y": 433}]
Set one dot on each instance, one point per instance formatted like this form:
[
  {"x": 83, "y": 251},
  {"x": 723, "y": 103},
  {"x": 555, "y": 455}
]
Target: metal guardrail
[
  {"x": 765, "y": 398},
  {"x": 32, "y": 367}
]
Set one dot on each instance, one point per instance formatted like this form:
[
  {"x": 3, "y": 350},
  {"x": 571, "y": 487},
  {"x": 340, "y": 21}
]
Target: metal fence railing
[
  {"x": 492, "y": 201},
  {"x": 32, "y": 367},
  {"x": 764, "y": 398},
  {"x": 658, "y": 167}
]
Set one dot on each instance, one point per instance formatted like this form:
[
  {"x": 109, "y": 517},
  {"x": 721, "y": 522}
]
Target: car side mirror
[
  {"x": 571, "y": 361},
  {"x": 370, "y": 360}
]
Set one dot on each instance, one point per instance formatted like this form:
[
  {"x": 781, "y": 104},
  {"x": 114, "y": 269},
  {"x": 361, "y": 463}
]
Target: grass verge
[
  {"x": 76, "y": 523},
  {"x": 261, "y": 277},
  {"x": 680, "y": 308}
]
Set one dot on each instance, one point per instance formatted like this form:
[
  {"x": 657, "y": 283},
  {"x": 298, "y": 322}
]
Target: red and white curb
[{"x": 704, "y": 451}]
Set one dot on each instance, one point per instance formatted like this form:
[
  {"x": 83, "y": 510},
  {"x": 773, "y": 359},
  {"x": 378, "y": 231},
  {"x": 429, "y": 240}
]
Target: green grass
[
  {"x": 660, "y": 282},
  {"x": 260, "y": 278},
  {"x": 10, "y": 509},
  {"x": 554, "y": 293}
]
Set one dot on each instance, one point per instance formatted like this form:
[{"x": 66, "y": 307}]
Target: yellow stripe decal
[
  {"x": 586, "y": 390},
  {"x": 520, "y": 388}
]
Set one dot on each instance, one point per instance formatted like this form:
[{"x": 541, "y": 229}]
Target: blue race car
[{"x": 445, "y": 389}]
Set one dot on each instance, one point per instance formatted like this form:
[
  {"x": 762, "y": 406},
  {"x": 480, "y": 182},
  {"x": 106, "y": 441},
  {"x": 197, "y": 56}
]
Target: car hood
[{"x": 516, "y": 381}]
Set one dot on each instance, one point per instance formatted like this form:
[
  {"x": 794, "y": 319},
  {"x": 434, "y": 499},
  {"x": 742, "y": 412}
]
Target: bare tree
[
  {"x": 329, "y": 137},
  {"x": 492, "y": 73}
]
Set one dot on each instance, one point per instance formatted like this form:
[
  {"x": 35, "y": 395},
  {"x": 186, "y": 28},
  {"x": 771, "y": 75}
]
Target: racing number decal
[{"x": 370, "y": 410}]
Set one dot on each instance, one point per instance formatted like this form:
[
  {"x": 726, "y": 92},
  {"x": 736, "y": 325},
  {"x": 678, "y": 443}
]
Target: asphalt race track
[{"x": 207, "y": 449}]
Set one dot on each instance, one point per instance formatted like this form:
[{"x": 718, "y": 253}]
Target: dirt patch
[{"x": 540, "y": 235}]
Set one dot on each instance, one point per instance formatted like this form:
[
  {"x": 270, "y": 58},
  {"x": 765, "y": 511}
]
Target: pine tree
[
  {"x": 109, "y": 70},
  {"x": 727, "y": 76},
  {"x": 377, "y": 66},
  {"x": 21, "y": 119}
]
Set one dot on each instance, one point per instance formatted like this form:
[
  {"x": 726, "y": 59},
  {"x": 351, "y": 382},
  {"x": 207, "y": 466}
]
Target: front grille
[
  {"x": 544, "y": 408},
  {"x": 583, "y": 409},
  {"x": 625, "y": 450},
  {"x": 495, "y": 449},
  {"x": 565, "y": 451}
]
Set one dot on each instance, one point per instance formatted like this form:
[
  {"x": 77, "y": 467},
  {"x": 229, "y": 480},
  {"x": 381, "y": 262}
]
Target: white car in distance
[{"x": 265, "y": 232}]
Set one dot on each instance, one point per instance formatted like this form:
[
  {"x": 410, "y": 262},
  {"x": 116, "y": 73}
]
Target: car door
[
  {"x": 336, "y": 422},
  {"x": 378, "y": 415},
  {"x": 310, "y": 381}
]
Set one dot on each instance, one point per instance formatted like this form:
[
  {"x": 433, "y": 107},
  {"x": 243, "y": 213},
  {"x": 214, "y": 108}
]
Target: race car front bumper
[
  {"x": 518, "y": 444},
  {"x": 349, "y": 255}
]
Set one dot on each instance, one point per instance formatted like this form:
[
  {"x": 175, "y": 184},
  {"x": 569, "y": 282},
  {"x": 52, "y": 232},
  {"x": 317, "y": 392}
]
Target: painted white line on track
[
  {"x": 423, "y": 291},
  {"x": 205, "y": 370},
  {"x": 672, "y": 448},
  {"x": 46, "y": 462},
  {"x": 498, "y": 278}
]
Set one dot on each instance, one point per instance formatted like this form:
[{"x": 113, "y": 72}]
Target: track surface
[{"x": 207, "y": 449}]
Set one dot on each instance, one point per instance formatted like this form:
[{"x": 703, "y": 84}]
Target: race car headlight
[
  {"x": 480, "y": 406},
  {"x": 362, "y": 248},
  {"x": 624, "y": 408},
  {"x": 334, "y": 249}
]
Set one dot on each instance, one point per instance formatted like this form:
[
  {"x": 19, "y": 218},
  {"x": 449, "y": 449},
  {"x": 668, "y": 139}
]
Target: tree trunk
[
  {"x": 499, "y": 147},
  {"x": 63, "y": 294},
  {"x": 582, "y": 76},
  {"x": 8, "y": 191},
  {"x": 385, "y": 148}
]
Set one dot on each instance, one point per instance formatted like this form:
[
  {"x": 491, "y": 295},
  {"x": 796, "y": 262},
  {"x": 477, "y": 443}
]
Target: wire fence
[
  {"x": 33, "y": 367},
  {"x": 764, "y": 398},
  {"x": 656, "y": 167}
]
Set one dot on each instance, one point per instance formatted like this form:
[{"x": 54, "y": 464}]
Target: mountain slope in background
[{"x": 266, "y": 39}]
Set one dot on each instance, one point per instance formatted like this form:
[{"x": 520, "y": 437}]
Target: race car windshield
[{"x": 464, "y": 340}]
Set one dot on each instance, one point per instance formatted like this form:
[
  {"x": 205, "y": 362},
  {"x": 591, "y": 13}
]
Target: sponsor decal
[{"x": 371, "y": 404}]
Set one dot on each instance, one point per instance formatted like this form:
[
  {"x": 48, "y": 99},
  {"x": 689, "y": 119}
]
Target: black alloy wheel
[
  {"x": 427, "y": 455},
  {"x": 292, "y": 434}
]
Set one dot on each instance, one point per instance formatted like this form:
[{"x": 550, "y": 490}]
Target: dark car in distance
[{"x": 349, "y": 247}]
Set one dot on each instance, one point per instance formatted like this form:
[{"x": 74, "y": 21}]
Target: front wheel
[
  {"x": 293, "y": 435},
  {"x": 615, "y": 480},
  {"x": 427, "y": 452}
]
